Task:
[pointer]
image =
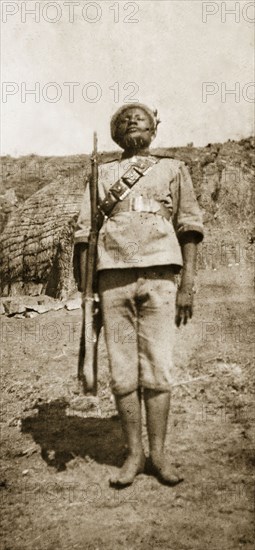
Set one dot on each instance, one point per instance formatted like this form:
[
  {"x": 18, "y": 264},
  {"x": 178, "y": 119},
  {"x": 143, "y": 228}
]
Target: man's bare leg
[
  {"x": 157, "y": 406},
  {"x": 129, "y": 408}
]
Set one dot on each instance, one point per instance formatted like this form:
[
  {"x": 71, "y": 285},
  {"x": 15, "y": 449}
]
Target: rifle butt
[{"x": 88, "y": 351}]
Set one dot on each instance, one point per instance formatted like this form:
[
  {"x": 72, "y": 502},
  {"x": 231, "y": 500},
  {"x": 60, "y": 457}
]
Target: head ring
[{"x": 153, "y": 115}]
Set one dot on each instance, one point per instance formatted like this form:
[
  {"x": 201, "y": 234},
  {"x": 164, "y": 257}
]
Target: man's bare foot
[
  {"x": 159, "y": 466},
  {"x": 132, "y": 466}
]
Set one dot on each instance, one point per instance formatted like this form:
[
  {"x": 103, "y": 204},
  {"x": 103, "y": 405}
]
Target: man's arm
[
  {"x": 189, "y": 230},
  {"x": 80, "y": 262},
  {"x": 184, "y": 301},
  {"x": 81, "y": 240}
]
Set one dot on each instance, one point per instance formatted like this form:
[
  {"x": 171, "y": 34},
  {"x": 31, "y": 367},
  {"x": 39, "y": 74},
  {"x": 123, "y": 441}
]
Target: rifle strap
[{"x": 121, "y": 188}]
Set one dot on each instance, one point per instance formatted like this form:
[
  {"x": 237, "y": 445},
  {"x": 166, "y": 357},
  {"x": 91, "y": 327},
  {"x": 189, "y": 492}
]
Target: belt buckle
[
  {"x": 137, "y": 203},
  {"x": 154, "y": 206},
  {"x": 142, "y": 204}
]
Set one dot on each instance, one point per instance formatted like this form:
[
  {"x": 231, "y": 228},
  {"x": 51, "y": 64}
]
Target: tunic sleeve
[
  {"x": 187, "y": 216},
  {"x": 83, "y": 223}
]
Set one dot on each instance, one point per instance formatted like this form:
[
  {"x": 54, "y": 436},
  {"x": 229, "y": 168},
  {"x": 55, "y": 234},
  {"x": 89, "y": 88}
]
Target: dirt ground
[{"x": 56, "y": 461}]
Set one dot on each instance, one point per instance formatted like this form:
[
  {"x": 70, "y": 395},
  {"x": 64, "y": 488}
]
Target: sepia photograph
[{"x": 127, "y": 275}]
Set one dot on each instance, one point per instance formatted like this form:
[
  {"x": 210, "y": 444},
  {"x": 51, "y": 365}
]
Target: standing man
[{"x": 152, "y": 225}]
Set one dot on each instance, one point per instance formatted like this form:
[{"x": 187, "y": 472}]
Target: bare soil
[{"x": 56, "y": 461}]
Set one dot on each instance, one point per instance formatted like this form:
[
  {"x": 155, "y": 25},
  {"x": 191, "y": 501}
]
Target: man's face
[{"x": 134, "y": 129}]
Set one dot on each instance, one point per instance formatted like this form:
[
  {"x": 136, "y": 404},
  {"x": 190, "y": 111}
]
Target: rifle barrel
[
  {"x": 87, "y": 364},
  {"x": 95, "y": 142}
]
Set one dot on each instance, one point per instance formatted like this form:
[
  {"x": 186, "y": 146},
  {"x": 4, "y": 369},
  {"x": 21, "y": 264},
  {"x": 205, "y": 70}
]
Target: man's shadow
[{"x": 63, "y": 437}]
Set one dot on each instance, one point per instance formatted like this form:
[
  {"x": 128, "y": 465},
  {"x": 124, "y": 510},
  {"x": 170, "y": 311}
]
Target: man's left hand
[{"x": 184, "y": 306}]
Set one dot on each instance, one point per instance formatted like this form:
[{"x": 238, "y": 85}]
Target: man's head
[{"x": 133, "y": 127}]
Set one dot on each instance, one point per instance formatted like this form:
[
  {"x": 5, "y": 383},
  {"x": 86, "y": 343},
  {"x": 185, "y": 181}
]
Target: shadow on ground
[{"x": 63, "y": 437}]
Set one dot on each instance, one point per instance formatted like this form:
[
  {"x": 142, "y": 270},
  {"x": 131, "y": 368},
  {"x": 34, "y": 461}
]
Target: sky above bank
[{"x": 83, "y": 60}]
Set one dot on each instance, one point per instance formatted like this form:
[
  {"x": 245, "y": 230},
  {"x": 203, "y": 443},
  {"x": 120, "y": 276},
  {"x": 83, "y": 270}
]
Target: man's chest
[{"x": 156, "y": 183}]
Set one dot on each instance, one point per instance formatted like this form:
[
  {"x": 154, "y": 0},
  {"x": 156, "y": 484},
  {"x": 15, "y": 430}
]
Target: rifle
[{"x": 91, "y": 323}]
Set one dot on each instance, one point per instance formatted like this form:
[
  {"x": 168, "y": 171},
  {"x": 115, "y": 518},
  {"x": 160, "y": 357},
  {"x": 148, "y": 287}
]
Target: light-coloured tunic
[{"x": 137, "y": 238}]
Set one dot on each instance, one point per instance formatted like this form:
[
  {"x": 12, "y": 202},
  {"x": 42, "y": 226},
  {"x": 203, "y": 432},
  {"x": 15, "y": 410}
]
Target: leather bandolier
[{"x": 116, "y": 199}]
